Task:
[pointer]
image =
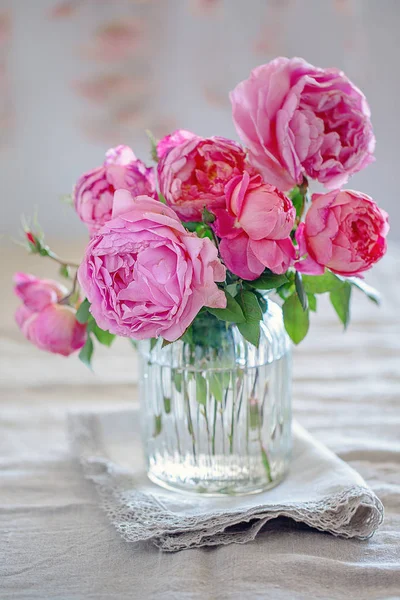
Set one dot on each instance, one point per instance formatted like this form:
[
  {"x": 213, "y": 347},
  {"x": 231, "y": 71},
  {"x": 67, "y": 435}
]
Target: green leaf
[
  {"x": 64, "y": 271},
  {"x": 165, "y": 343},
  {"x": 187, "y": 337},
  {"x": 262, "y": 301},
  {"x": 153, "y": 342},
  {"x": 286, "y": 290},
  {"x": 161, "y": 198},
  {"x": 83, "y": 314},
  {"x": 207, "y": 216},
  {"x": 312, "y": 302},
  {"x": 320, "y": 284},
  {"x": 215, "y": 381},
  {"x": 340, "y": 300},
  {"x": 232, "y": 313},
  {"x": 268, "y": 281},
  {"x": 157, "y": 425},
  {"x": 104, "y": 337},
  {"x": 298, "y": 200},
  {"x": 298, "y": 282},
  {"x": 86, "y": 353},
  {"x": 232, "y": 289},
  {"x": 201, "y": 389},
  {"x": 250, "y": 330},
  {"x": 295, "y": 318},
  {"x": 167, "y": 405},
  {"x": 204, "y": 231},
  {"x": 153, "y": 143},
  {"x": 191, "y": 225},
  {"x": 178, "y": 381},
  {"x": 368, "y": 290}
]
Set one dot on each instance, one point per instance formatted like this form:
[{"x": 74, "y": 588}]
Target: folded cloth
[{"x": 320, "y": 490}]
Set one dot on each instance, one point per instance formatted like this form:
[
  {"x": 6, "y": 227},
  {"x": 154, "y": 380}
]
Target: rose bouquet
[{"x": 195, "y": 246}]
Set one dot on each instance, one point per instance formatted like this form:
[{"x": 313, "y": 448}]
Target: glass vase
[{"x": 216, "y": 410}]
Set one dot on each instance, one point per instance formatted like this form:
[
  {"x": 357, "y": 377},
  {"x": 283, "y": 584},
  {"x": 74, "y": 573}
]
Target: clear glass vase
[{"x": 216, "y": 417}]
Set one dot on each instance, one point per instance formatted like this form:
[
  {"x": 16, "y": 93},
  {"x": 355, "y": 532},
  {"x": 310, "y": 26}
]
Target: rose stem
[{"x": 214, "y": 426}]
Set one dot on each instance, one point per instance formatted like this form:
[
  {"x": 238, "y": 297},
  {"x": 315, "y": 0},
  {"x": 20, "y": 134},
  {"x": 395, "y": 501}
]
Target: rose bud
[{"x": 44, "y": 322}]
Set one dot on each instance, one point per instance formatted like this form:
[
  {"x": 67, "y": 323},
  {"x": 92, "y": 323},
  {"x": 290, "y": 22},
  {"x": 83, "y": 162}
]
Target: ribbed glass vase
[{"x": 216, "y": 411}]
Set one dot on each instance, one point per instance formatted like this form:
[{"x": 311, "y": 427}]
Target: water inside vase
[{"x": 217, "y": 430}]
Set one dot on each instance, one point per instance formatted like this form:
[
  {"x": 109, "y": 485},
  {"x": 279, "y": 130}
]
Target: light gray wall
[{"x": 47, "y": 149}]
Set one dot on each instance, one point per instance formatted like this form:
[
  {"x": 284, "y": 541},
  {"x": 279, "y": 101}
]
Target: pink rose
[
  {"x": 145, "y": 275},
  {"x": 94, "y": 191},
  {"x": 171, "y": 141},
  {"x": 298, "y": 120},
  {"x": 344, "y": 231},
  {"x": 193, "y": 175},
  {"x": 255, "y": 228},
  {"x": 44, "y": 322}
]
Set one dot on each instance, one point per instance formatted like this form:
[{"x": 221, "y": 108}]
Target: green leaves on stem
[
  {"x": 252, "y": 312},
  {"x": 244, "y": 309},
  {"x": 105, "y": 338},
  {"x": 368, "y": 290},
  {"x": 296, "y": 319},
  {"x": 320, "y": 284},
  {"x": 83, "y": 312},
  {"x": 268, "y": 281},
  {"x": 340, "y": 300},
  {"x": 232, "y": 313},
  {"x": 86, "y": 353},
  {"x": 339, "y": 290}
]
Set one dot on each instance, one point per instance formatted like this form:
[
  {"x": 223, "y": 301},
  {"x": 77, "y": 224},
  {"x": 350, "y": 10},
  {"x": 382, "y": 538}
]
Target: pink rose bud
[
  {"x": 94, "y": 191},
  {"x": 44, "y": 322},
  {"x": 145, "y": 275},
  {"x": 193, "y": 174},
  {"x": 344, "y": 231},
  {"x": 298, "y": 120},
  {"x": 172, "y": 140},
  {"x": 255, "y": 228}
]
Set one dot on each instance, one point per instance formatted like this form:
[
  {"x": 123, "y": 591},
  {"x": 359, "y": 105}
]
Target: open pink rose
[
  {"x": 44, "y": 322},
  {"x": 344, "y": 231},
  {"x": 94, "y": 191},
  {"x": 255, "y": 228},
  {"x": 172, "y": 140},
  {"x": 193, "y": 174},
  {"x": 297, "y": 119},
  {"x": 145, "y": 275}
]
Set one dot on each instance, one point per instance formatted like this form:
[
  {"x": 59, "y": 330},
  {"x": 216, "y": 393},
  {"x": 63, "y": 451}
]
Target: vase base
[{"x": 217, "y": 488}]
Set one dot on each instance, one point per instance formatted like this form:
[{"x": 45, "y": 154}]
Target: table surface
[{"x": 56, "y": 543}]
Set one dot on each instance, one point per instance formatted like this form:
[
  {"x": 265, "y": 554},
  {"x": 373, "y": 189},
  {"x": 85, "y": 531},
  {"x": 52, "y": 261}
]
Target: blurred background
[{"x": 78, "y": 76}]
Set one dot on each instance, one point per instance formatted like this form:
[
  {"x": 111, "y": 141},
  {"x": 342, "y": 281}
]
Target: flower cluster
[{"x": 216, "y": 220}]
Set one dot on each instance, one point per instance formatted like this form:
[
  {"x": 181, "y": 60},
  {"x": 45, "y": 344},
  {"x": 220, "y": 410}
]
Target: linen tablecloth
[{"x": 56, "y": 543}]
